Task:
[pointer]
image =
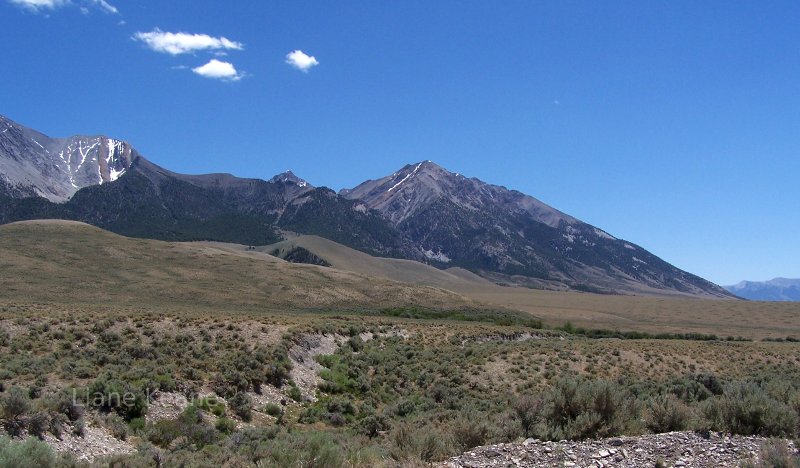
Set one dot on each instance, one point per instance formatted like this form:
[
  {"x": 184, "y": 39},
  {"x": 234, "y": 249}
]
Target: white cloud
[
  {"x": 301, "y": 61},
  {"x": 105, "y": 6},
  {"x": 183, "y": 43},
  {"x": 219, "y": 70},
  {"x": 40, "y": 5}
]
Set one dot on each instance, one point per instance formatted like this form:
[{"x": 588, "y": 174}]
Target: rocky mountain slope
[
  {"x": 33, "y": 164},
  {"x": 422, "y": 212},
  {"x": 778, "y": 289},
  {"x": 512, "y": 237}
]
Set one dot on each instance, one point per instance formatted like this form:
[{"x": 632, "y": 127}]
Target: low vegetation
[{"x": 412, "y": 390}]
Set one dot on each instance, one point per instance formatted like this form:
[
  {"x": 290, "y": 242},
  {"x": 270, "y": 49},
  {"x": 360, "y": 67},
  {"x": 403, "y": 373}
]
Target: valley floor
[
  {"x": 128, "y": 352},
  {"x": 213, "y": 387}
]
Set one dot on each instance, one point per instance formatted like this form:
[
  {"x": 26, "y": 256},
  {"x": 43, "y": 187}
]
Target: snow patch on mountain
[
  {"x": 604, "y": 235},
  {"x": 405, "y": 178},
  {"x": 438, "y": 256}
]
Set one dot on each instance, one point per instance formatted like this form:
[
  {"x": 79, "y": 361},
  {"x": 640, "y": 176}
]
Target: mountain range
[
  {"x": 777, "y": 289},
  {"x": 421, "y": 212}
]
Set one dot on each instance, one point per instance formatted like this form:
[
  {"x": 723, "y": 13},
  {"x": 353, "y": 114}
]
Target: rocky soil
[
  {"x": 96, "y": 442},
  {"x": 674, "y": 449}
]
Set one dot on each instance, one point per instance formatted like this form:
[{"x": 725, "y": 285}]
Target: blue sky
[{"x": 675, "y": 125}]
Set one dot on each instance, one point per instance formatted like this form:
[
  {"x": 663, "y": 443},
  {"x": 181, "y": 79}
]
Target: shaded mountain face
[
  {"x": 422, "y": 212},
  {"x": 511, "y": 237},
  {"x": 778, "y": 289},
  {"x": 152, "y": 202},
  {"x": 33, "y": 164}
]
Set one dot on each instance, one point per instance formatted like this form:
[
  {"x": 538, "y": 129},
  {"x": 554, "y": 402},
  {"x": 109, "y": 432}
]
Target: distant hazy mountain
[
  {"x": 422, "y": 212},
  {"x": 778, "y": 289}
]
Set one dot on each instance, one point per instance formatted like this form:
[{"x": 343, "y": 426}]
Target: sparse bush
[
  {"x": 58, "y": 422},
  {"x": 665, "y": 413},
  {"x": 38, "y": 424},
  {"x": 528, "y": 410},
  {"x": 79, "y": 427},
  {"x": 775, "y": 453},
  {"x": 425, "y": 444}
]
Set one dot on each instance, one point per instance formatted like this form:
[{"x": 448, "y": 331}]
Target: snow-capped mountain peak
[{"x": 32, "y": 163}]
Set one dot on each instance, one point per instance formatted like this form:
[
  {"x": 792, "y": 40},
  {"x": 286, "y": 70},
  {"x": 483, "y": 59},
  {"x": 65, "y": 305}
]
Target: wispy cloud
[
  {"x": 37, "y": 6},
  {"x": 300, "y": 60},
  {"x": 105, "y": 6},
  {"x": 219, "y": 70},
  {"x": 184, "y": 43}
]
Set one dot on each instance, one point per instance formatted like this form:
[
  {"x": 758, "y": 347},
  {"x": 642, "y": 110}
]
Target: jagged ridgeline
[{"x": 421, "y": 212}]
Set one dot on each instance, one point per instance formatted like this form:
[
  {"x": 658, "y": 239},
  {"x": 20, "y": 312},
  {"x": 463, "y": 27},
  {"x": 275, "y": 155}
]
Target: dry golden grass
[
  {"x": 638, "y": 313},
  {"x": 68, "y": 262}
]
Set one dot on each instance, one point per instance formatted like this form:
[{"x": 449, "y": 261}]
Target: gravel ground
[{"x": 674, "y": 449}]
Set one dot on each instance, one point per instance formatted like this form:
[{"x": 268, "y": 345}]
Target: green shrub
[
  {"x": 225, "y": 425},
  {"x": 242, "y": 405},
  {"x": 15, "y": 405},
  {"x": 665, "y": 413},
  {"x": 295, "y": 393},
  {"x": 747, "y": 409},
  {"x": 63, "y": 403},
  {"x": 30, "y": 453},
  {"x": 469, "y": 430},
  {"x": 107, "y": 393},
  {"x": 189, "y": 424},
  {"x": 580, "y": 409},
  {"x": 312, "y": 450},
  {"x": 272, "y": 409},
  {"x": 356, "y": 343},
  {"x": 137, "y": 425},
  {"x": 371, "y": 425},
  {"x": 116, "y": 426},
  {"x": 212, "y": 405},
  {"x": 404, "y": 407}
]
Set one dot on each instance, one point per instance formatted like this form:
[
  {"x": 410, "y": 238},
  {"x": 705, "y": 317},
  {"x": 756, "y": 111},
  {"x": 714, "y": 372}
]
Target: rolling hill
[{"x": 71, "y": 262}]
